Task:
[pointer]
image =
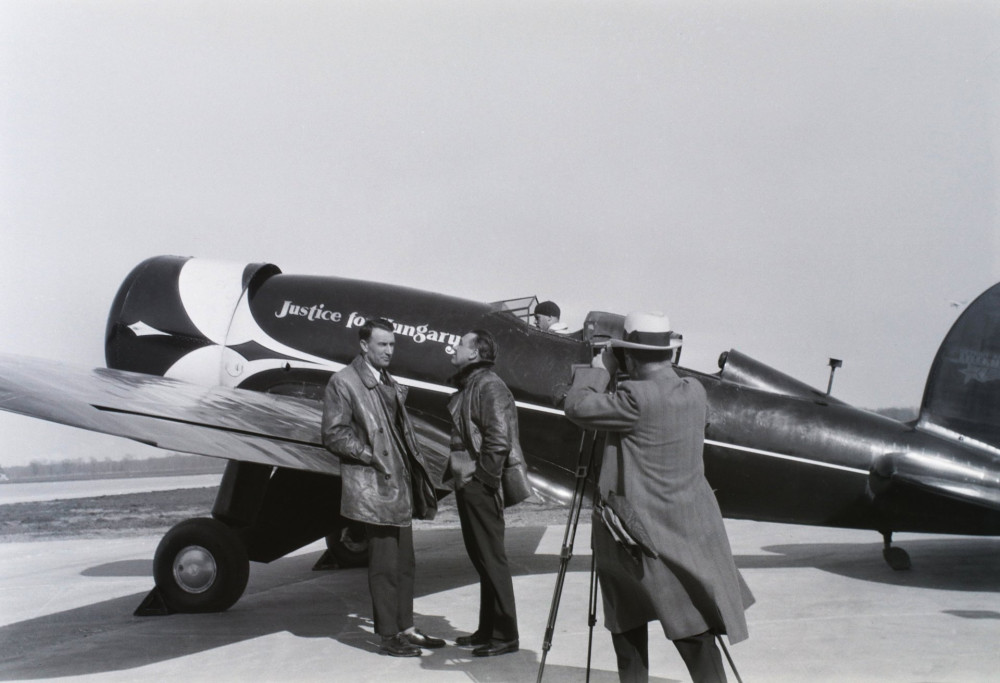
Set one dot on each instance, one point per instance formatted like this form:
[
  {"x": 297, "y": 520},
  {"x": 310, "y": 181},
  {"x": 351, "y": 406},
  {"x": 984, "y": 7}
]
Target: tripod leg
[
  {"x": 592, "y": 613},
  {"x": 730, "y": 659},
  {"x": 567, "y": 548}
]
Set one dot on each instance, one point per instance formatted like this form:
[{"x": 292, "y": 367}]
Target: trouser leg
[
  {"x": 485, "y": 624},
  {"x": 407, "y": 573},
  {"x": 702, "y": 657},
  {"x": 481, "y": 515},
  {"x": 390, "y": 577},
  {"x": 632, "y": 650}
]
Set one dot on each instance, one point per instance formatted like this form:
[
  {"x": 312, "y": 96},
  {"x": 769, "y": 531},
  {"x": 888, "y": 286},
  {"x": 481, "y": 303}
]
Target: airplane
[{"x": 230, "y": 360}]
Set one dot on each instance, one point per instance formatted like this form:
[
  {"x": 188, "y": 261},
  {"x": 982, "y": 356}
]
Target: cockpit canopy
[{"x": 598, "y": 326}]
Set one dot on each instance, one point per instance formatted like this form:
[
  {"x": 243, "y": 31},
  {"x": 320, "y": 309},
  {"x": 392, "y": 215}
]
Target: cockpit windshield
[
  {"x": 598, "y": 327},
  {"x": 521, "y": 307}
]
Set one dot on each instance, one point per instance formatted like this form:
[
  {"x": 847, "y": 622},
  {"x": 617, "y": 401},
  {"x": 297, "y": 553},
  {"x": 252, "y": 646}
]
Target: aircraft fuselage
[{"x": 797, "y": 457}]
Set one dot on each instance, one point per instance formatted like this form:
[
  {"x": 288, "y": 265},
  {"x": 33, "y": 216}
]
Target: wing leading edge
[{"x": 179, "y": 416}]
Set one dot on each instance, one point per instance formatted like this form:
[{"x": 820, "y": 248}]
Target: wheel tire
[
  {"x": 201, "y": 565},
  {"x": 897, "y": 558},
  {"x": 348, "y": 544}
]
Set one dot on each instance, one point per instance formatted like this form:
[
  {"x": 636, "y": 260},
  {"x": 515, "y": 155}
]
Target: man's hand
[{"x": 606, "y": 360}]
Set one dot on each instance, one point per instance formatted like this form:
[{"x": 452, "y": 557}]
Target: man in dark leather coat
[
  {"x": 385, "y": 481},
  {"x": 484, "y": 433}
]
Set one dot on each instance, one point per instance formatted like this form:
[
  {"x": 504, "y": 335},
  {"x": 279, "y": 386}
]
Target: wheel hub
[
  {"x": 195, "y": 569},
  {"x": 349, "y": 541}
]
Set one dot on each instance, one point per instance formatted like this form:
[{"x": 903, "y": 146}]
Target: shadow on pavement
[
  {"x": 947, "y": 563},
  {"x": 106, "y": 637}
]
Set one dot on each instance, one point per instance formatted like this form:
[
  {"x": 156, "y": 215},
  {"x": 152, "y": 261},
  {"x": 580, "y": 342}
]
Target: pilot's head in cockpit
[{"x": 546, "y": 315}]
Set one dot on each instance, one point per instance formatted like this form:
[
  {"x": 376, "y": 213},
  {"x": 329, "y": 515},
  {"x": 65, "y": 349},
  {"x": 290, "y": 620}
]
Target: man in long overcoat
[
  {"x": 384, "y": 481},
  {"x": 655, "y": 424}
]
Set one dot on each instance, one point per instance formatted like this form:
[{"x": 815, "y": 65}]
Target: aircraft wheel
[
  {"x": 897, "y": 558},
  {"x": 348, "y": 544},
  {"x": 201, "y": 565}
]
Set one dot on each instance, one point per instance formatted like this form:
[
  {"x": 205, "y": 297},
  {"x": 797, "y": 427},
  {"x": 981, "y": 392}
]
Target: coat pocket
[
  {"x": 514, "y": 482},
  {"x": 462, "y": 467}
]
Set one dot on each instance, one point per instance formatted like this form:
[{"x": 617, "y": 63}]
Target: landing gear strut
[{"x": 897, "y": 558}]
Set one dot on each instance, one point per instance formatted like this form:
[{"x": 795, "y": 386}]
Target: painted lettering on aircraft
[
  {"x": 980, "y": 366},
  {"x": 418, "y": 333},
  {"x": 310, "y": 313}
]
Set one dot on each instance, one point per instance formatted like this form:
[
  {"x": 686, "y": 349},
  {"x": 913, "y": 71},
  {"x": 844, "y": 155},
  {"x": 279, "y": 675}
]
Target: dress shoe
[
  {"x": 398, "y": 646},
  {"x": 472, "y": 639},
  {"x": 496, "y": 647},
  {"x": 421, "y": 639}
]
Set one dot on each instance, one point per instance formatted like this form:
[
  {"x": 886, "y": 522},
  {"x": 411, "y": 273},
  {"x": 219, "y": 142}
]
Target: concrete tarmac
[{"x": 828, "y": 609}]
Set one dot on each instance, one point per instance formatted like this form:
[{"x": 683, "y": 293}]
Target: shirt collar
[{"x": 376, "y": 373}]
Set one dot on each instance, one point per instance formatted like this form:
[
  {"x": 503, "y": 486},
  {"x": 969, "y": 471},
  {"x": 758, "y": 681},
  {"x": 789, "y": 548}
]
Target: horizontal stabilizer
[
  {"x": 971, "y": 483},
  {"x": 179, "y": 416}
]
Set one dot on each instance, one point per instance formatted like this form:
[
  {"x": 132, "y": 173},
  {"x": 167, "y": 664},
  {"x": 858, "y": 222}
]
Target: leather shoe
[
  {"x": 496, "y": 647},
  {"x": 421, "y": 639},
  {"x": 472, "y": 639},
  {"x": 398, "y": 646}
]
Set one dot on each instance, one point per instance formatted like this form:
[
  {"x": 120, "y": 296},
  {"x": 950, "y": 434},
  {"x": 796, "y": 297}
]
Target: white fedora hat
[{"x": 644, "y": 330}]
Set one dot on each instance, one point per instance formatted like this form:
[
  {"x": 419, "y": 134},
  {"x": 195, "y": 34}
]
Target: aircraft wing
[{"x": 179, "y": 416}]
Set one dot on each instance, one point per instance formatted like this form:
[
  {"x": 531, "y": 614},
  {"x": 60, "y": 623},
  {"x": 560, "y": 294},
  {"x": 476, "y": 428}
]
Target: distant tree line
[
  {"x": 900, "y": 414},
  {"x": 92, "y": 468}
]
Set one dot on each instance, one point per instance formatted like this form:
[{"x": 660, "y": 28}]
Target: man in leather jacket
[
  {"x": 384, "y": 481},
  {"x": 484, "y": 433}
]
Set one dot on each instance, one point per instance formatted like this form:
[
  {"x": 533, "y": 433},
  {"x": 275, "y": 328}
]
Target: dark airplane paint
[
  {"x": 961, "y": 385},
  {"x": 776, "y": 449},
  {"x": 811, "y": 465}
]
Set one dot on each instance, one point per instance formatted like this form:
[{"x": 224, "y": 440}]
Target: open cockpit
[{"x": 598, "y": 326}]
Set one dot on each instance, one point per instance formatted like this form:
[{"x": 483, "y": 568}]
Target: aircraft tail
[{"x": 962, "y": 395}]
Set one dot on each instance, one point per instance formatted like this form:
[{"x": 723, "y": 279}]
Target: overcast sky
[{"x": 797, "y": 180}]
